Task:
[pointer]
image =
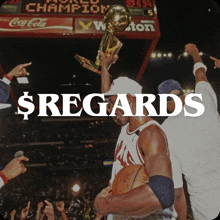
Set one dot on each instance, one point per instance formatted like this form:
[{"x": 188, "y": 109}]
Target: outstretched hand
[
  {"x": 15, "y": 167},
  {"x": 19, "y": 70},
  {"x": 216, "y": 62},
  {"x": 25, "y": 211}
]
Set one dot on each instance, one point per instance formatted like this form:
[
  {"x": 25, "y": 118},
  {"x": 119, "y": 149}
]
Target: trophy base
[{"x": 88, "y": 64}]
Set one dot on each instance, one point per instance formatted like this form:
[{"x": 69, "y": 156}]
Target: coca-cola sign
[{"x": 36, "y": 24}]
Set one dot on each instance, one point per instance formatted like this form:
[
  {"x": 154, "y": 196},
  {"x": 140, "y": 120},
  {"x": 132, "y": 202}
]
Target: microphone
[{"x": 19, "y": 153}]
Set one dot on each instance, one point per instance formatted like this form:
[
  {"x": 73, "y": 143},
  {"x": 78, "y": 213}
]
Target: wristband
[
  {"x": 8, "y": 77},
  {"x": 6, "y": 80},
  {"x": 4, "y": 178},
  {"x": 197, "y": 66}
]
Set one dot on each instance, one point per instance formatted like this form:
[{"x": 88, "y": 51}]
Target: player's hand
[
  {"x": 60, "y": 206},
  {"x": 15, "y": 167},
  {"x": 99, "y": 204},
  {"x": 19, "y": 70},
  {"x": 106, "y": 192},
  {"x": 108, "y": 59},
  {"x": 216, "y": 62},
  {"x": 191, "y": 49}
]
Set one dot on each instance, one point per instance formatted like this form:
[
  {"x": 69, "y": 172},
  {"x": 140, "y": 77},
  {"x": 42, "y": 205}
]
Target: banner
[{"x": 36, "y": 24}]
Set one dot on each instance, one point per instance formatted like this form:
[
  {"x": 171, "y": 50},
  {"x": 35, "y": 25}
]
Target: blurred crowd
[{"x": 45, "y": 192}]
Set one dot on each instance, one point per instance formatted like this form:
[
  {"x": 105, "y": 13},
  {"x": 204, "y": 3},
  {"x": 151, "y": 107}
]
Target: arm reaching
[
  {"x": 60, "y": 207},
  {"x": 25, "y": 211},
  {"x": 13, "y": 214},
  {"x": 15, "y": 168},
  {"x": 39, "y": 206},
  {"x": 105, "y": 77},
  {"x": 19, "y": 70},
  {"x": 49, "y": 211},
  {"x": 200, "y": 73}
]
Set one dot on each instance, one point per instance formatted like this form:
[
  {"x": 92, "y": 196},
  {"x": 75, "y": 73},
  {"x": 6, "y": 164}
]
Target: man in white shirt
[{"x": 195, "y": 142}]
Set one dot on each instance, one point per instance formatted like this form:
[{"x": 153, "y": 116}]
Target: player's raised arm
[{"x": 105, "y": 76}]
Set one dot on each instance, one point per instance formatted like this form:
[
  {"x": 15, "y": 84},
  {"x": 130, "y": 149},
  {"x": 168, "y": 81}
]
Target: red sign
[{"x": 36, "y": 24}]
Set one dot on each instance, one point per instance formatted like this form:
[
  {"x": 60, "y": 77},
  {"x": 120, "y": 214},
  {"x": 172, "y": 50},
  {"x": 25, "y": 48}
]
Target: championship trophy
[{"x": 116, "y": 19}]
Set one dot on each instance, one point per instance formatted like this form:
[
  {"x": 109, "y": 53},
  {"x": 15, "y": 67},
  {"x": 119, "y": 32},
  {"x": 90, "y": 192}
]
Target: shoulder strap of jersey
[{"x": 142, "y": 127}]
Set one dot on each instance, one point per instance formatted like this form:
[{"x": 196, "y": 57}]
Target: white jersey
[
  {"x": 128, "y": 152},
  {"x": 195, "y": 142}
]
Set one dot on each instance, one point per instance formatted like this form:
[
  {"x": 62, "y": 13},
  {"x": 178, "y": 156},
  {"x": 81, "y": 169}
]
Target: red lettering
[
  {"x": 130, "y": 3},
  {"x": 117, "y": 150},
  {"x": 147, "y": 3},
  {"x": 124, "y": 159}
]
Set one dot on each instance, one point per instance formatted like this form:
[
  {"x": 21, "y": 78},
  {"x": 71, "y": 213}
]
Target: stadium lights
[
  {"x": 153, "y": 55},
  {"x": 159, "y": 55},
  {"x": 76, "y": 188},
  {"x": 185, "y": 54},
  {"x": 188, "y": 91}
]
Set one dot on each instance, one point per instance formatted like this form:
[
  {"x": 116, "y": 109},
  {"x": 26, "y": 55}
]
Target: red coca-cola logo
[{"x": 33, "y": 23}]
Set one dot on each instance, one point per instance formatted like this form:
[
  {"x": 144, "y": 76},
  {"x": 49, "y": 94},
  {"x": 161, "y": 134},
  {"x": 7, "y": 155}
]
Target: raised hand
[
  {"x": 60, "y": 206},
  {"x": 49, "y": 211},
  {"x": 19, "y": 70},
  {"x": 191, "y": 49},
  {"x": 25, "y": 211},
  {"x": 15, "y": 167},
  {"x": 216, "y": 62}
]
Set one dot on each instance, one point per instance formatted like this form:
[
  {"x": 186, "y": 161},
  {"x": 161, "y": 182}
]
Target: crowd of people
[
  {"x": 54, "y": 186},
  {"x": 78, "y": 210}
]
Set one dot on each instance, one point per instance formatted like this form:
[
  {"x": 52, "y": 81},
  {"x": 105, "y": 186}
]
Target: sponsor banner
[
  {"x": 36, "y": 25},
  {"x": 88, "y": 25}
]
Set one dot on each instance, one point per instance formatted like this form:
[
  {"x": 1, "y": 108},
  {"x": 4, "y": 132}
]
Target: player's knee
[{"x": 163, "y": 188}]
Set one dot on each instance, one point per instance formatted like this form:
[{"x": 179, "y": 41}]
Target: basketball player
[
  {"x": 141, "y": 141},
  {"x": 196, "y": 142}
]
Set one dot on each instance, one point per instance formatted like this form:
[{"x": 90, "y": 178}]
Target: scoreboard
[{"x": 76, "y": 7}]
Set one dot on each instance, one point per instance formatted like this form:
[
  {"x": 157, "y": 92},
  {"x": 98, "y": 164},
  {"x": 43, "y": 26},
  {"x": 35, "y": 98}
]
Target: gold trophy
[{"x": 117, "y": 18}]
